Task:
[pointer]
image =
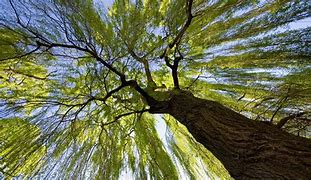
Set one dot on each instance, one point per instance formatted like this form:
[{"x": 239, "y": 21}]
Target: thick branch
[
  {"x": 150, "y": 100},
  {"x": 283, "y": 121},
  {"x": 110, "y": 93},
  {"x": 175, "y": 71},
  {"x": 146, "y": 67},
  {"x": 148, "y": 73},
  {"x": 184, "y": 28},
  {"x": 175, "y": 42}
]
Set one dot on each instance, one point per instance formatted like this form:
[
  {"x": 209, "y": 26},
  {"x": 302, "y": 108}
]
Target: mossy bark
[{"x": 248, "y": 149}]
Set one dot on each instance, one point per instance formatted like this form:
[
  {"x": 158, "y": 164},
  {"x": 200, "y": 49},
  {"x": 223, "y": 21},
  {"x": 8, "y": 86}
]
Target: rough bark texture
[{"x": 248, "y": 149}]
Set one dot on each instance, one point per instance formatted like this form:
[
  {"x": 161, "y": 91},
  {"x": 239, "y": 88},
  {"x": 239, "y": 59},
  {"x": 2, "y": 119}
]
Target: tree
[{"x": 80, "y": 83}]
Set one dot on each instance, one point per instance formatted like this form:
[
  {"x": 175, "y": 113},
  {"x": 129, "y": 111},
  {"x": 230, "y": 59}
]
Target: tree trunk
[{"x": 248, "y": 149}]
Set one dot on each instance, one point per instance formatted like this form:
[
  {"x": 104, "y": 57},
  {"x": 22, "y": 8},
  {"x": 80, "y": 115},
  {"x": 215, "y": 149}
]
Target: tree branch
[
  {"x": 182, "y": 31},
  {"x": 22, "y": 55},
  {"x": 175, "y": 42},
  {"x": 42, "y": 42},
  {"x": 146, "y": 67},
  {"x": 131, "y": 83},
  {"x": 184, "y": 28},
  {"x": 51, "y": 45},
  {"x": 125, "y": 114},
  {"x": 129, "y": 113},
  {"x": 283, "y": 121},
  {"x": 110, "y": 93},
  {"x": 25, "y": 74}
]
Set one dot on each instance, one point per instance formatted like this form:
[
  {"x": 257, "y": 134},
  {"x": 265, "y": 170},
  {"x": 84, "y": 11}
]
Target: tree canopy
[{"x": 76, "y": 77}]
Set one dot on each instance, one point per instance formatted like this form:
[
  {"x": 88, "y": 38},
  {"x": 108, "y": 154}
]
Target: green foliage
[
  {"x": 21, "y": 148},
  {"x": 66, "y": 112}
]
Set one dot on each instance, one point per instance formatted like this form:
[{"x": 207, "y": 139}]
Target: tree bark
[{"x": 248, "y": 149}]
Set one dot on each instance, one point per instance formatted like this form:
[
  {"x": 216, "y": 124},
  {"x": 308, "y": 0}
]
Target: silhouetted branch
[
  {"x": 125, "y": 114},
  {"x": 22, "y": 55},
  {"x": 176, "y": 41},
  {"x": 283, "y": 121},
  {"x": 26, "y": 74}
]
